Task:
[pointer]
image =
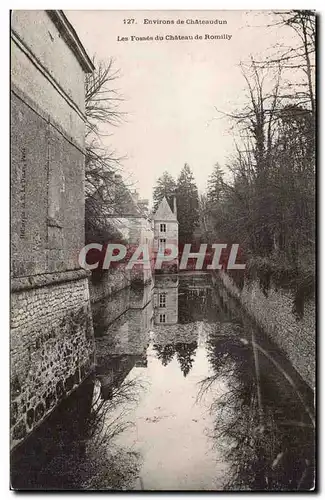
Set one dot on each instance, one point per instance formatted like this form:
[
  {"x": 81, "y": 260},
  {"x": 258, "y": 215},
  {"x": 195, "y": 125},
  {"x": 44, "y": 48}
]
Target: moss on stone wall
[
  {"x": 274, "y": 313},
  {"x": 52, "y": 350}
]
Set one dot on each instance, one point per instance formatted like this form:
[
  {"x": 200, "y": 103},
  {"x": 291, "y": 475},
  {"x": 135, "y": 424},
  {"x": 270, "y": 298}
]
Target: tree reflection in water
[
  {"x": 185, "y": 354},
  {"x": 109, "y": 467},
  {"x": 267, "y": 442},
  {"x": 165, "y": 353},
  {"x": 87, "y": 457},
  {"x": 196, "y": 304},
  {"x": 180, "y": 338},
  {"x": 261, "y": 428}
]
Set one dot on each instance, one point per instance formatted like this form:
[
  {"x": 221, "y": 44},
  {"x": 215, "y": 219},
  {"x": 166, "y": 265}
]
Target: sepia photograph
[{"x": 163, "y": 250}]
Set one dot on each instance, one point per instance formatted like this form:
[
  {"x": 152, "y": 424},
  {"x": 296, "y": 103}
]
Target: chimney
[{"x": 174, "y": 206}]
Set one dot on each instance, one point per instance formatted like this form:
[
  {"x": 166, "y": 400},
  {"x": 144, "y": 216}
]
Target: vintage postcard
[{"x": 163, "y": 250}]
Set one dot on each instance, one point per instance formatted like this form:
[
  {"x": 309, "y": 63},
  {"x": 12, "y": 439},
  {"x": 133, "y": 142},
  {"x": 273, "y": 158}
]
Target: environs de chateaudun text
[{"x": 184, "y": 21}]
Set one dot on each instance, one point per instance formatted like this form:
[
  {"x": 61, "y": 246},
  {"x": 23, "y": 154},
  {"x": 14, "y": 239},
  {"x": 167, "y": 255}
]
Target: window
[
  {"x": 162, "y": 299},
  {"x": 162, "y": 318},
  {"x": 162, "y": 244},
  {"x": 162, "y": 228}
]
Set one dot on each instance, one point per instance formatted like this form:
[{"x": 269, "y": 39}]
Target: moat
[{"x": 188, "y": 395}]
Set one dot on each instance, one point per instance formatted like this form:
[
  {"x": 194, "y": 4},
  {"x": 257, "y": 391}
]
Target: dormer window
[{"x": 162, "y": 228}]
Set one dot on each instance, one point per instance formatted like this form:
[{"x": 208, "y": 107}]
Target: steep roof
[{"x": 164, "y": 212}]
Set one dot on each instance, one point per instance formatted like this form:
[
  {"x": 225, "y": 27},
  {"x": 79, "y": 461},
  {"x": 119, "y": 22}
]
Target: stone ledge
[
  {"x": 41, "y": 280},
  {"x": 280, "y": 324}
]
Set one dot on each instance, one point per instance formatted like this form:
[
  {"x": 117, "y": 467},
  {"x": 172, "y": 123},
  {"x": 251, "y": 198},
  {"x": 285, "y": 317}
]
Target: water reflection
[
  {"x": 165, "y": 300},
  {"x": 261, "y": 432},
  {"x": 268, "y": 431},
  {"x": 169, "y": 337},
  {"x": 123, "y": 344},
  {"x": 188, "y": 396}
]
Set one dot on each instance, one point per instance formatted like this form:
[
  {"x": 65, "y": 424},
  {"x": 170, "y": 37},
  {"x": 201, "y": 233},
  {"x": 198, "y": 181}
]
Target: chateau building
[{"x": 166, "y": 231}]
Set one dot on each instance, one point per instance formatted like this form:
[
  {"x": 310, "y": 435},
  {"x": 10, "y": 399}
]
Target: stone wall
[
  {"x": 52, "y": 348},
  {"x": 47, "y": 70},
  {"x": 273, "y": 313},
  {"x": 47, "y": 193},
  {"x": 47, "y": 143}
]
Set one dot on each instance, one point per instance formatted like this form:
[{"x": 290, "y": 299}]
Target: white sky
[{"x": 172, "y": 87}]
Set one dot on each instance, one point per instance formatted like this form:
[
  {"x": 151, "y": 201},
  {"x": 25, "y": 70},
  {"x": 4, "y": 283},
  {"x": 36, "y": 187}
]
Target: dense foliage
[{"x": 268, "y": 207}]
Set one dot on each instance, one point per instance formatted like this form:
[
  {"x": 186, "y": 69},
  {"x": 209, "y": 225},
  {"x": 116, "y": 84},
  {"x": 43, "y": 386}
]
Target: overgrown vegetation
[
  {"x": 104, "y": 188},
  {"x": 268, "y": 206}
]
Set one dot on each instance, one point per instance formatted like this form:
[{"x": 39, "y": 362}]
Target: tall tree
[
  {"x": 269, "y": 206},
  {"x": 215, "y": 184},
  {"x": 211, "y": 205},
  {"x": 165, "y": 186},
  {"x": 299, "y": 58},
  {"x": 187, "y": 205}
]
